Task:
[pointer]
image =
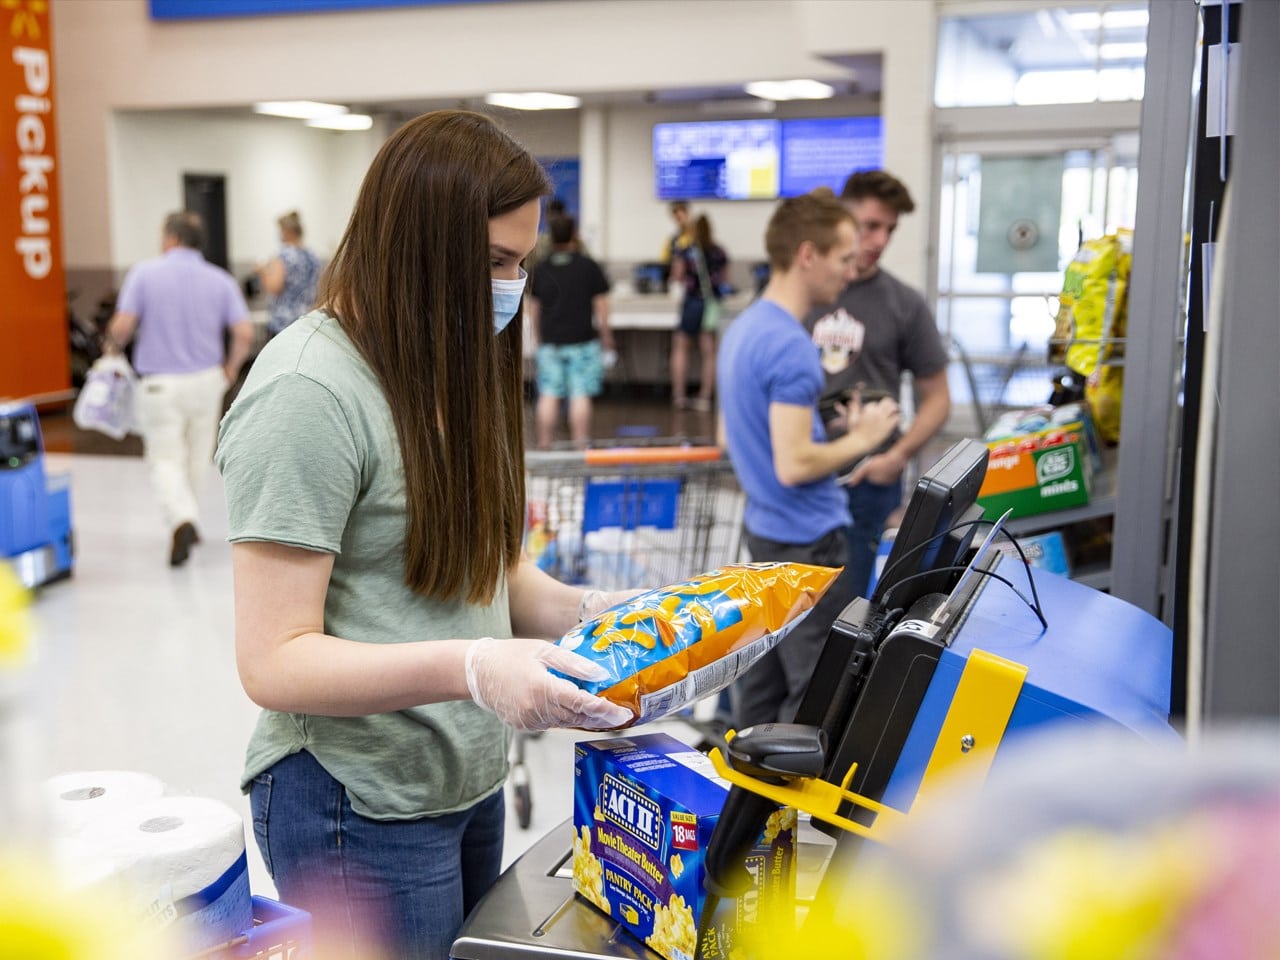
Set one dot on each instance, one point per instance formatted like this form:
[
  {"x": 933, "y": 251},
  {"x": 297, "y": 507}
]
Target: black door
[{"x": 206, "y": 194}]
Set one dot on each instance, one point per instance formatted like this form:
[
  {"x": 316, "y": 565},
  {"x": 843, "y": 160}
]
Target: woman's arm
[
  {"x": 287, "y": 662},
  {"x": 272, "y": 276},
  {"x": 542, "y": 606}
]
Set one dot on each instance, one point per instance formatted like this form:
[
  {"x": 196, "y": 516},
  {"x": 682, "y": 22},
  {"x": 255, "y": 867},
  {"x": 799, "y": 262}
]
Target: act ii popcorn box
[{"x": 643, "y": 813}]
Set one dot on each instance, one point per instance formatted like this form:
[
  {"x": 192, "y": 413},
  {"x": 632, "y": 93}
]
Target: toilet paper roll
[
  {"x": 75, "y": 799},
  {"x": 179, "y": 862}
]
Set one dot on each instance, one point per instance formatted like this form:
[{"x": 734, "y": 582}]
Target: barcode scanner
[{"x": 774, "y": 753}]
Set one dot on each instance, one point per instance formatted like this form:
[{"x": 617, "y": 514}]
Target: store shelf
[
  {"x": 1096, "y": 575},
  {"x": 1102, "y": 505}
]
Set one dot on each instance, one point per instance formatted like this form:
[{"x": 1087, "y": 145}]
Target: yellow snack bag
[
  {"x": 670, "y": 647},
  {"x": 1093, "y": 306},
  {"x": 1104, "y": 389}
]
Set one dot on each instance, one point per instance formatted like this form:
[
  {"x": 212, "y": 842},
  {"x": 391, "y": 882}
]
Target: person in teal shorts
[{"x": 569, "y": 316}]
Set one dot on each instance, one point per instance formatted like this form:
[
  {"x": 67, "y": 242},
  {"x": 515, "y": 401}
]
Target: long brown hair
[
  {"x": 702, "y": 234},
  {"x": 409, "y": 284}
]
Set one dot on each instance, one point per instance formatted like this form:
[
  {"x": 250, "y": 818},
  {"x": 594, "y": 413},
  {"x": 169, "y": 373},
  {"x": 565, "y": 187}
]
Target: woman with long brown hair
[{"x": 375, "y": 487}]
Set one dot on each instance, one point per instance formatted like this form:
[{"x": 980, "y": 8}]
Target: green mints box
[
  {"x": 1038, "y": 478},
  {"x": 643, "y": 813}
]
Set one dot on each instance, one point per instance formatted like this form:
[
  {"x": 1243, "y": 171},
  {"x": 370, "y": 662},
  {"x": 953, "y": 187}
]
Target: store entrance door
[{"x": 206, "y": 194}]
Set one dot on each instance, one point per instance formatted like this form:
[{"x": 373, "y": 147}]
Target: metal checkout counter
[{"x": 942, "y": 665}]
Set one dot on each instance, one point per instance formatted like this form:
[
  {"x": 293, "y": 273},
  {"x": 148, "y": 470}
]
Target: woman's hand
[{"x": 511, "y": 678}]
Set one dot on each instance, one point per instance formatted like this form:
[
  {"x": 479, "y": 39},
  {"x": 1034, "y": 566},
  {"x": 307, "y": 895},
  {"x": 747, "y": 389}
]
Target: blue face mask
[{"x": 506, "y": 300}]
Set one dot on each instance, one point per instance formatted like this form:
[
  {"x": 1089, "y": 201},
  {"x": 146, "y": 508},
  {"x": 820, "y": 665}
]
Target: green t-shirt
[{"x": 310, "y": 459}]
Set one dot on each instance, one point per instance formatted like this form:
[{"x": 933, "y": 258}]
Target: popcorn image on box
[{"x": 643, "y": 813}]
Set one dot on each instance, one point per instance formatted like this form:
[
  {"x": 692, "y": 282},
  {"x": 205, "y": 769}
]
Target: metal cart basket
[{"x": 635, "y": 516}]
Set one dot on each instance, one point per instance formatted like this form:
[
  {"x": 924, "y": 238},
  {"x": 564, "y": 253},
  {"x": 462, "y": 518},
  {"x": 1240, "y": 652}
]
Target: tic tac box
[
  {"x": 643, "y": 813},
  {"x": 1048, "y": 470}
]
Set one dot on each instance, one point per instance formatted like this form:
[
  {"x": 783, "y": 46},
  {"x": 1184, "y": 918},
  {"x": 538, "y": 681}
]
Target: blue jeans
[
  {"x": 870, "y": 504},
  {"x": 385, "y": 888}
]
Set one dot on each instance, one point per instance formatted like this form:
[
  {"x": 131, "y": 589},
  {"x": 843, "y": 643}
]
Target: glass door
[{"x": 1011, "y": 215}]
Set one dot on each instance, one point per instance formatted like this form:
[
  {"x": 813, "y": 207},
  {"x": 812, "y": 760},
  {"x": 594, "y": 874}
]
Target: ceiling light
[
  {"x": 1123, "y": 51},
  {"x": 343, "y": 121},
  {"x": 790, "y": 90},
  {"x": 533, "y": 101},
  {"x": 299, "y": 109}
]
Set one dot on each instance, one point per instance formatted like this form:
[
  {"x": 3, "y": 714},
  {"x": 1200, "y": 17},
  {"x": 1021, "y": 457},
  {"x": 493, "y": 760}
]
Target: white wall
[
  {"x": 109, "y": 57},
  {"x": 271, "y": 165}
]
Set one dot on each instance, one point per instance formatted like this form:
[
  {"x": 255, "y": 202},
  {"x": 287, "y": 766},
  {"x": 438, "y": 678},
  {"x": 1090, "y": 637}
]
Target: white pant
[{"x": 178, "y": 414}]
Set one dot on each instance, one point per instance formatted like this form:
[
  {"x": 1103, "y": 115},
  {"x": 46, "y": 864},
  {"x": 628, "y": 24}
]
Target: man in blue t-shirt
[{"x": 770, "y": 380}]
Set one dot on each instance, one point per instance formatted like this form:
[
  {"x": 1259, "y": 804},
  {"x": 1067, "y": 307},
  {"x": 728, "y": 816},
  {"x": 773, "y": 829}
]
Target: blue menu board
[
  {"x": 762, "y": 159},
  {"x": 823, "y": 152},
  {"x": 724, "y": 159}
]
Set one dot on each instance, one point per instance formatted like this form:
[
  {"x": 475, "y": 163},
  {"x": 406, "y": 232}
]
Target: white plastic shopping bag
[{"x": 106, "y": 400}]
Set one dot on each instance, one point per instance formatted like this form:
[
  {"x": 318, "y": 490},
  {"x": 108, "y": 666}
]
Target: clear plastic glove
[
  {"x": 511, "y": 678},
  {"x": 596, "y": 601}
]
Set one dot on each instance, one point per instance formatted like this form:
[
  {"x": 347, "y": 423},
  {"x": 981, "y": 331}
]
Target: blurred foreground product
[
  {"x": 1080, "y": 844},
  {"x": 15, "y": 624},
  {"x": 41, "y": 920}
]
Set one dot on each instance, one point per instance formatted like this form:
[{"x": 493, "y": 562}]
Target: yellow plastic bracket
[
  {"x": 975, "y": 722},
  {"x": 818, "y": 798}
]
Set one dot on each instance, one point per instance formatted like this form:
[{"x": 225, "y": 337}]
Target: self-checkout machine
[{"x": 958, "y": 652}]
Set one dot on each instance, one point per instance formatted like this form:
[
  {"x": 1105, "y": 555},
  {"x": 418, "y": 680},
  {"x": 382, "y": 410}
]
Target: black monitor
[
  {"x": 926, "y": 543},
  {"x": 943, "y": 497}
]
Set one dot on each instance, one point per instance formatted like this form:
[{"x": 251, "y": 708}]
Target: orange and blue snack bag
[{"x": 669, "y": 647}]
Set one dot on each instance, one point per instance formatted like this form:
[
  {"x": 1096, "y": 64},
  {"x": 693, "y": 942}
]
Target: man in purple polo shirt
[{"x": 180, "y": 306}]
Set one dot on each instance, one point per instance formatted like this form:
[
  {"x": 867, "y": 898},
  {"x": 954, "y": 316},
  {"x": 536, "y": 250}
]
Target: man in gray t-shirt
[{"x": 878, "y": 328}]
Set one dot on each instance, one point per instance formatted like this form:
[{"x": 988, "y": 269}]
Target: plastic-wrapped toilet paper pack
[
  {"x": 75, "y": 799},
  {"x": 179, "y": 862}
]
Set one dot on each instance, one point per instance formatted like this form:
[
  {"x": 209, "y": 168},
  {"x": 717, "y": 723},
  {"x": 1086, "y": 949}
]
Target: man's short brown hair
[
  {"x": 880, "y": 185},
  {"x": 812, "y": 217},
  {"x": 186, "y": 227}
]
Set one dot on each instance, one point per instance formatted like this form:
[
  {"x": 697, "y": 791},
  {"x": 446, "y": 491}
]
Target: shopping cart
[
  {"x": 617, "y": 517},
  {"x": 631, "y": 516},
  {"x": 999, "y": 382}
]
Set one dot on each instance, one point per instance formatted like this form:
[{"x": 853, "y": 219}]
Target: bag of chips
[
  {"x": 667, "y": 648},
  {"x": 1093, "y": 307}
]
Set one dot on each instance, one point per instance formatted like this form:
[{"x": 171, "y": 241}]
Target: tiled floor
[{"x": 136, "y": 667}]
